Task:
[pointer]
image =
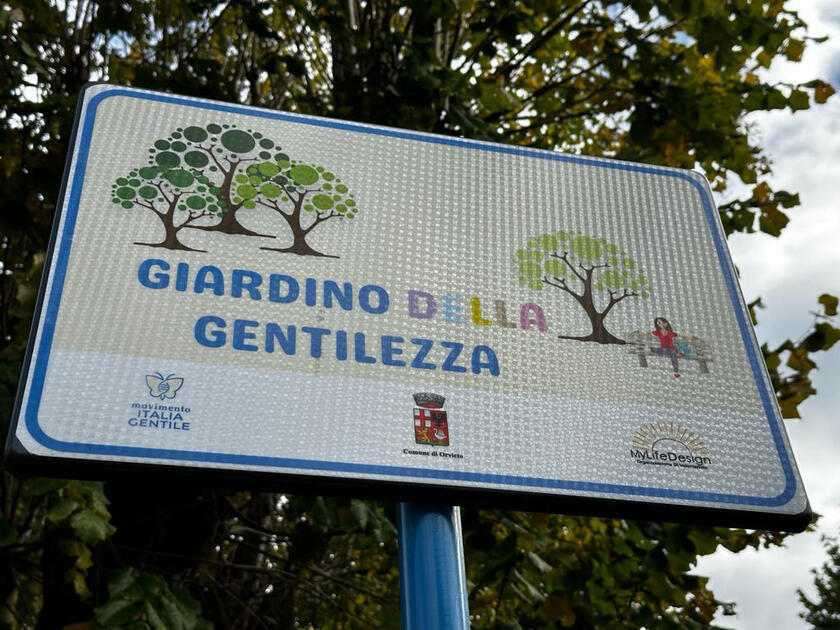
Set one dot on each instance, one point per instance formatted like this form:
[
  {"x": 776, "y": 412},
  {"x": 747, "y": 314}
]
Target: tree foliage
[
  {"x": 582, "y": 267},
  {"x": 823, "y": 612},
  {"x": 201, "y": 176},
  {"x": 659, "y": 81},
  {"x": 178, "y": 197},
  {"x": 216, "y": 155},
  {"x": 304, "y": 195}
]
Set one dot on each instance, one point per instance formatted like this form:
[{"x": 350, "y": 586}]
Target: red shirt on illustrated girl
[
  {"x": 666, "y": 338},
  {"x": 665, "y": 333}
]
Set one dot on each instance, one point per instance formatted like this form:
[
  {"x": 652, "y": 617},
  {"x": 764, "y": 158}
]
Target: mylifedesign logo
[{"x": 669, "y": 444}]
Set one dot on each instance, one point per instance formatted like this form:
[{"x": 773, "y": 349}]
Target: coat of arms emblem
[{"x": 430, "y": 425}]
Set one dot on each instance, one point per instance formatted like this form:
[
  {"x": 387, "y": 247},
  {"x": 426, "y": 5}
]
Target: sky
[{"x": 789, "y": 273}]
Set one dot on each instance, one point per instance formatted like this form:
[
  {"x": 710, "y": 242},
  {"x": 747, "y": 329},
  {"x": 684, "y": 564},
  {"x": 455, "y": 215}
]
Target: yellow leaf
[
  {"x": 560, "y": 608},
  {"x": 764, "y": 59},
  {"x": 829, "y": 303},
  {"x": 77, "y": 579},
  {"x": 823, "y": 92},
  {"x": 795, "y": 49},
  {"x": 789, "y": 410},
  {"x": 761, "y": 192}
]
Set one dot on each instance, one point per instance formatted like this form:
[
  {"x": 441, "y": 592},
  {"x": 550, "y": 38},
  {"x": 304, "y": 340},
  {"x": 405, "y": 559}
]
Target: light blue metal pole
[{"x": 433, "y": 580}]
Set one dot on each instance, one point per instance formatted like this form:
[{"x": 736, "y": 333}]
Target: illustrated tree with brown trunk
[
  {"x": 596, "y": 274},
  {"x": 304, "y": 195},
  {"x": 179, "y": 197},
  {"x": 221, "y": 152}
]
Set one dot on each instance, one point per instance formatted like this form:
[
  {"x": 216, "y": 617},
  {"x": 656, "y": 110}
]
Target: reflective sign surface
[{"x": 246, "y": 290}]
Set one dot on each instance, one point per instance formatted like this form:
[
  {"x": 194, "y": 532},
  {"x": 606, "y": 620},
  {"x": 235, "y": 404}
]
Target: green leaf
[
  {"x": 823, "y": 338},
  {"x": 798, "y": 100},
  {"x": 118, "y": 612},
  {"x": 773, "y": 361},
  {"x": 77, "y": 579},
  {"x": 704, "y": 539},
  {"x": 40, "y": 486},
  {"x": 61, "y": 510},
  {"x": 764, "y": 59},
  {"x": 90, "y": 526},
  {"x": 775, "y": 99},
  {"x": 121, "y": 580}
]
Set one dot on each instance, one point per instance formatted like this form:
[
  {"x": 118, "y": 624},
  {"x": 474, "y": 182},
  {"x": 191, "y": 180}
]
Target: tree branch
[
  {"x": 565, "y": 259},
  {"x": 286, "y": 191},
  {"x": 163, "y": 194},
  {"x": 212, "y": 155},
  {"x": 519, "y": 58},
  {"x": 594, "y": 267},
  {"x": 150, "y": 206},
  {"x": 273, "y": 205},
  {"x": 299, "y": 203},
  {"x": 320, "y": 219},
  {"x": 317, "y": 571},
  {"x": 615, "y": 300},
  {"x": 560, "y": 283},
  {"x": 195, "y": 217},
  {"x": 548, "y": 86}
]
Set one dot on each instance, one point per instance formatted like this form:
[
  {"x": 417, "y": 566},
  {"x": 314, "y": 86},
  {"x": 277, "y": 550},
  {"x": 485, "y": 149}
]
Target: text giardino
[{"x": 247, "y": 335}]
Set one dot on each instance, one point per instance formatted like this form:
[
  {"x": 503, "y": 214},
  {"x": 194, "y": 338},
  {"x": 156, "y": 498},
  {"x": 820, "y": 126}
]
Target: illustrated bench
[{"x": 642, "y": 345}]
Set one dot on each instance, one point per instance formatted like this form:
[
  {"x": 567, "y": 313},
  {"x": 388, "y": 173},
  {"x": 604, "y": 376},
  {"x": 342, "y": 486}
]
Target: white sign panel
[{"x": 354, "y": 306}]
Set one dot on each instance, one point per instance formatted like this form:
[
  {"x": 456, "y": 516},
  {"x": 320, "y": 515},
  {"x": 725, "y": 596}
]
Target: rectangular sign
[{"x": 352, "y": 308}]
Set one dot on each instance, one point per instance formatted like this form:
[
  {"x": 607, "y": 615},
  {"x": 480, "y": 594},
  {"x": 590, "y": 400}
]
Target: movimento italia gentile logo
[{"x": 669, "y": 444}]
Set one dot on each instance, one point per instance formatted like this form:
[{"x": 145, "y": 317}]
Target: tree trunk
[
  {"x": 299, "y": 245},
  {"x": 599, "y": 333},
  {"x": 171, "y": 241},
  {"x": 229, "y": 225},
  {"x": 348, "y": 88}
]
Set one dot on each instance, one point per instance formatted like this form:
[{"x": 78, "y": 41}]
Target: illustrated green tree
[
  {"x": 304, "y": 195},
  {"x": 823, "y": 612},
  {"x": 221, "y": 152},
  {"x": 179, "y": 197},
  {"x": 585, "y": 268}
]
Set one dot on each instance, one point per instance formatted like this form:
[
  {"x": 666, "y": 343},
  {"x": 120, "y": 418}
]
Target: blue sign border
[{"x": 62, "y": 254}]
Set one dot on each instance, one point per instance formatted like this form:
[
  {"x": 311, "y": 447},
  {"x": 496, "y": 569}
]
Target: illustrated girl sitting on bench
[{"x": 666, "y": 335}]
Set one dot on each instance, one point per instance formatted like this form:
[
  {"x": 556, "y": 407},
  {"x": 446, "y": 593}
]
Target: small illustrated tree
[
  {"x": 221, "y": 152},
  {"x": 179, "y": 197},
  {"x": 584, "y": 267},
  {"x": 305, "y": 195}
]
